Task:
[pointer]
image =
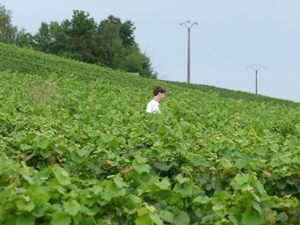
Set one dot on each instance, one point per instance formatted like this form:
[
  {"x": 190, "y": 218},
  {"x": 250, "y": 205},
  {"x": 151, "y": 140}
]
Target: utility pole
[
  {"x": 190, "y": 24},
  {"x": 256, "y": 67}
]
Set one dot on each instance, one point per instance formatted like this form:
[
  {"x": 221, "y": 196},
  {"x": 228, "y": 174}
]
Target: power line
[
  {"x": 212, "y": 57},
  {"x": 189, "y": 31},
  {"x": 272, "y": 85},
  {"x": 216, "y": 47}
]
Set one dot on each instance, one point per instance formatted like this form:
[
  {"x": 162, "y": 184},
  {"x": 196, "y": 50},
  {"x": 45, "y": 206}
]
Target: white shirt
[{"x": 152, "y": 107}]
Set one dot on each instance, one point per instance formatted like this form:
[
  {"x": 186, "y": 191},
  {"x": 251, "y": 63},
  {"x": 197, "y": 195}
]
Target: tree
[
  {"x": 126, "y": 33},
  {"x": 80, "y": 34},
  {"x": 23, "y": 39},
  {"x": 122, "y": 51},
  {"x": 110, "y": 44},
  {"x": 42, "y": 39},
  {"x": 109, "y": 30},
  {"x": 113, "y": 28},
  {"x": 8, "y": 32},
  {"x": 47, "y": 39},
  {"x": 147, "y": 68}
]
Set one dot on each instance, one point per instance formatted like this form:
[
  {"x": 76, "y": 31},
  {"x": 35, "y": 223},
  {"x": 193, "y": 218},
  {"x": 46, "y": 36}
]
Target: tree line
[{"x": 110, "y": 43}]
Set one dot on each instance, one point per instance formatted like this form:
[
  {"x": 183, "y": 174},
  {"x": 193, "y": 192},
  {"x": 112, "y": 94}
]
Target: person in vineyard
[{"x": 159, "y": 94}]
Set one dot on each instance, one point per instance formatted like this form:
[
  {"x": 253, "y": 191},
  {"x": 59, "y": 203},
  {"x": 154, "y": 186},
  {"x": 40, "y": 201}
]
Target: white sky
[{"x": 230, "y": 36}]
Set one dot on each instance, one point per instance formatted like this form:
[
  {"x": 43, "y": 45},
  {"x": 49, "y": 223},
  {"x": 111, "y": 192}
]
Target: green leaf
[
  {"x": 166, "y": 216},
  {"x": 72, "y": 207},
  {"x": 87, "y": 129},
  {"x": 90, "y": 211},
  {"x": 182, "y": 179},
  {"x": 163, "y": 184},
  {"x": 39, "y": 210},
  {"x": 151, "y": 211},
  {"x": 151, "y": 127},
  {"x": 142, "y": 211},
  {"x": 29, "y": 207},
  {"x": 226, "y": 164},
  {"x": 199, "y": 212},
  {"x": 140, "y": 159},
  {"x": 120, "y": 182},
  {"x": 114, "y": 144},
  {"x": 142, "y": 220},
  {"x": 295, "y": 182},
  {"x": 182, "y": 218},
  {"x": 45, "y": 153},
  {"x": 257, "y": 207},
  {"x": 240, "y": 181},
  {"x": 259, "y": 187},
  {"x": 196, "y": 160},
  {"x": 177, "y": 188},
  {"x": 235, "y": 216},
  {"x": 252, "y": 217},
  {"x": 62, "y": 176},
  {"x": 282, "y": 217},
  {"x": 286, "y": 160},
  {"x": 296, "y": 159},
  {"x": 42, "y": 142},
  {"x": 155, "y": 218},
  {"x": 140, "y": 167},
  {"x": 133, "y": 202},
  {"x": 220, "y": 210},
  {"x": 39, "y": 194},
  {"x": 186, "y": 190},
  {"x": 240, "y": 163},
  {"x": 101, "y": 144},
  {"x": 202, "y": 199},
  {"x": 77, "y": 158},
  {"x": 233, "y": 219},
  {"x": 112, "y": 191},
  {"x": 145, "y": 177},
  {"x": 27, "y": 177},
  {"x": 9, "y": 190},
  {"x": 25, "y": 219},
  {"x": 25, "y": 207},
  {"x": 162, "y": 166},
  {"x": 81, "y": 152},
  {"x": 60, "y": 218},
  {"x": 143, "y": 217},
  {"x": 107, "y": 137}
]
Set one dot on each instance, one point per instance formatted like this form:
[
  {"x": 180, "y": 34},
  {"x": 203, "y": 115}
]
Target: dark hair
[{"x": 158, "y": 89}]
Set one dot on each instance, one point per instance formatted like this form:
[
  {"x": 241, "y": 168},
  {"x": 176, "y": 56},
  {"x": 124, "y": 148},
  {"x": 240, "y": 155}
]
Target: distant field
[
  {"x": 76, "y": 147},
  {"x": 28, "y": 61}
]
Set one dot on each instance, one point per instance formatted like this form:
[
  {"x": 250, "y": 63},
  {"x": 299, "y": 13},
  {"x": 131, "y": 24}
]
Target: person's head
[{"x": 159, "y": 92}]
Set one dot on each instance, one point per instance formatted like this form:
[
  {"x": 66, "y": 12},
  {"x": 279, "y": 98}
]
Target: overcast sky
[{"x": 229, "y": 36}]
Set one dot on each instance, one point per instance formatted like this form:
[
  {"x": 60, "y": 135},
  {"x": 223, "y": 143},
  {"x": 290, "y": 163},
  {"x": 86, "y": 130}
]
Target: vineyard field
[{"x": 76, "y": 147}]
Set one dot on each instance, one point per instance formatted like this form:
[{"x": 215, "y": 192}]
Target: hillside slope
[
  {"x": 76, "y": 147},
  {"x": 31, "y": 62}
]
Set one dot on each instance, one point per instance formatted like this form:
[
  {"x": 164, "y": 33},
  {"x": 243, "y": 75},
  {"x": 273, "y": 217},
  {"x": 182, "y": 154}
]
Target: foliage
[
  {"x": 23, "y": 38},
  {"x": 77, "y": 37},
  {"x": 110, "y": 44},
  {"x": 10, "y": 34},
  {"x": 31, "y": 62},
  {"x": 7, "y": 30},
  {"x": 89, "y": 154}
]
